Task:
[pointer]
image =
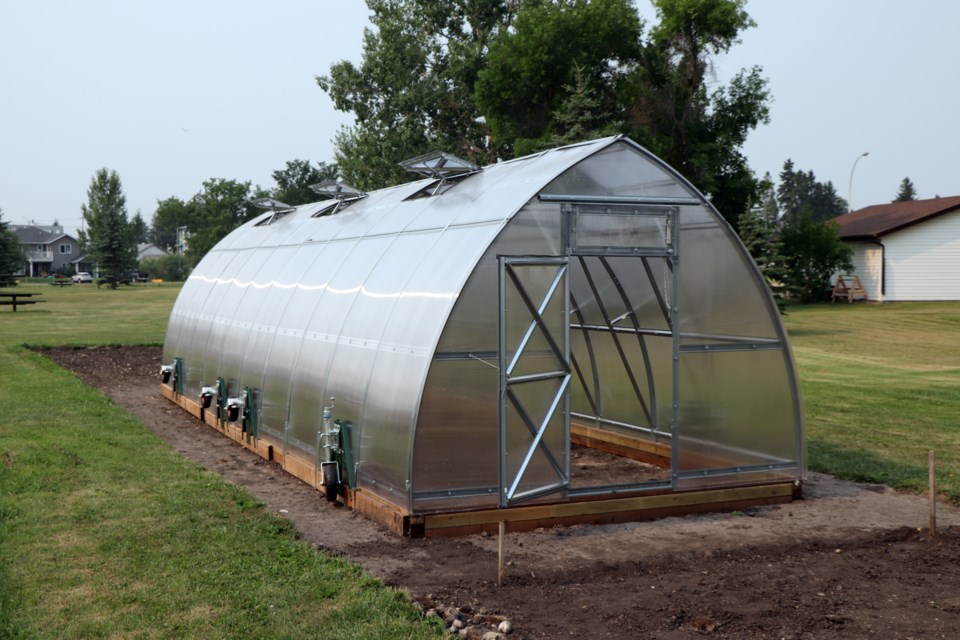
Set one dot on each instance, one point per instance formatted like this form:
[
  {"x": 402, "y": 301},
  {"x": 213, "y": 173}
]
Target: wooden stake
[
  {"x": 503, "y": 529},
  {"x": 933, "y": 496}
]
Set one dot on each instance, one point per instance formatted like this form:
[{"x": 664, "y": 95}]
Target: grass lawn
[
  {"x": 881, "y": 387},
  {"x": 107, "y": 532}
]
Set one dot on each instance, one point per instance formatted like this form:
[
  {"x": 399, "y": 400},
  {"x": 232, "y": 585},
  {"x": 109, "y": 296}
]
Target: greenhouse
[{"x": 572, "y": 336}]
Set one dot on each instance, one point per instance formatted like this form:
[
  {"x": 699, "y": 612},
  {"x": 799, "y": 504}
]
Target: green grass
[
  {"x": 881, "y": 387},
  {"x": 107, "y": 532}
]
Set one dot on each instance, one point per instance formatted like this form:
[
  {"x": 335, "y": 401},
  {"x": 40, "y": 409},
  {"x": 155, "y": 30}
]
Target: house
[
  {"x": 906, "y": 250},
  {"x": 47, "y": 250},
  {"x": 149, "y": 251}
]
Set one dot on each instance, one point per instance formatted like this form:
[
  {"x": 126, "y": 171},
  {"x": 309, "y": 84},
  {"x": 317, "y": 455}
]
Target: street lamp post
[{"x": 850, "y": 185}]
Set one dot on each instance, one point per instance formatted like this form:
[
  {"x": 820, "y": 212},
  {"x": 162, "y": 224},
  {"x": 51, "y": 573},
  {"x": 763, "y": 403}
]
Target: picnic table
[{"x": 17, "y": 299}]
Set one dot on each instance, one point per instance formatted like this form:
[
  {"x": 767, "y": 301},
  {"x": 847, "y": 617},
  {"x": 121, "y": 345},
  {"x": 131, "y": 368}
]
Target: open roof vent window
[
  {"x": 343, "y": 194},
  {"x": 444, "y": 168},
  {"x": 278, "y": 210}
]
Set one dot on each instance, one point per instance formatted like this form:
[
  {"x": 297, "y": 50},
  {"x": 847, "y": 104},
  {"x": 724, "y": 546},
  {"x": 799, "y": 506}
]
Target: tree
[
  {"x": 553, "y": 52},
  {"x": 800, "y": 191},
  {"x": 907, "y": 191},
  {"x": 488, "y": 79},
  {"x": 413, "y": 91},
  {"x": 11, "y": 254},
  {"x": 170, "y": 215},
  {"x": 108, "y": 237},
  {"x": 813, "y": 252},
  {"x": 221, "y": 207},
  {"x": 294, "y": 180},
  {"x": 761, "y": 236},
  {"x": 139, "y": 228}
]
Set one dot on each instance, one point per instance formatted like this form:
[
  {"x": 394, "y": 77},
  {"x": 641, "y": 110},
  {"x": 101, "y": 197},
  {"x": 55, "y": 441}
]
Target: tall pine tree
[
  {"x": 108, "y": 237},
  {"x": 907, "y": 191}
]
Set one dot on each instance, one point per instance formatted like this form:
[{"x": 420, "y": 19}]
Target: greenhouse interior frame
[{"x": 575, "y": 336}]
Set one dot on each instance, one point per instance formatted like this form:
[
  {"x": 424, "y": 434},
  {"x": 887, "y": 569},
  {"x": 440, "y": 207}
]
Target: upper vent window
[{"x": 444, "y": 168}]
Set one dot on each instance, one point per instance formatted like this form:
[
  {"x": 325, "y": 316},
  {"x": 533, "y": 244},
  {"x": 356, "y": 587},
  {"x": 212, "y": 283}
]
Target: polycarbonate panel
[
  {"x": 457, "y": 432},
  {"x": 720, "y": 292},
  {"x": 313, "y": 379},
  {"x": 293, "y": 262},
  {"x": 186, "y": 312},
  {"x": 209, "y": 315},
  {"x": 619, "y": 170},
  {"x": 228, "y": 333},
  {"x": 736, "y": 411},
  {"x": 384, "y": 457},
  {"x": 284, "y": 358}
]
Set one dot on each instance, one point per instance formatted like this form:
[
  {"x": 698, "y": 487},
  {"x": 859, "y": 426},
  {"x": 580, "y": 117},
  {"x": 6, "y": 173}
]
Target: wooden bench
[
  {"x": 17, "y": 299},
  {"x": 849, "y": 292},
  {"x": 61, "y": 282}
]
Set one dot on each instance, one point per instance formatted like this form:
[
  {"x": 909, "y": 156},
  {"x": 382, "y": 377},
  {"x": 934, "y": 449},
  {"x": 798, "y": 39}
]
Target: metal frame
[{"x": 508, "y": 489}]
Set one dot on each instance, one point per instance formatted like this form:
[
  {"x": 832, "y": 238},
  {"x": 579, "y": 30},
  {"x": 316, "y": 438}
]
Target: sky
[{"x": 171, "y": 94}]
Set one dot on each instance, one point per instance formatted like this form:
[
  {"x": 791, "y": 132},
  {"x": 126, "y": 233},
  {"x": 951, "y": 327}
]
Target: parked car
[{"x": 82, "y": 276}]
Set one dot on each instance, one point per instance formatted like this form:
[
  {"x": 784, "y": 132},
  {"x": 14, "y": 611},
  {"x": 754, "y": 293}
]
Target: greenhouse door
[{"x": 534, "y": 362}]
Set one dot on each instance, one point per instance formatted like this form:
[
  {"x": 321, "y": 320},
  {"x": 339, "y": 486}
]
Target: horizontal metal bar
[
  {"x": 455, "y": 493},
  {"x": 465, "y": 355},
  {"x": 619, "y": 488},
  {"x": 536, "y": 377},
  {"x": 530, "y": 494},
  {"x": 641, "y": 200},
  {"x": 533, "y": 261},
  {"x": 646, "y": 332},
  {"x": 639, "y": 252},
  {"x": 748, "y": 342},
  {"x": 750, "y": 346},
  {"x": 730, "y": 471}
]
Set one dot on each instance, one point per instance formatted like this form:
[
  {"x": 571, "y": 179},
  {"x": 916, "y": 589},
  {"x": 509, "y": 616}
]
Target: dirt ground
[{"x": 849, "y": 561}]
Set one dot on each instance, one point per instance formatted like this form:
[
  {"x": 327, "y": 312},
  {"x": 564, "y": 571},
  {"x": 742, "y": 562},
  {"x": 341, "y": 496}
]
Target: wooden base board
[
  {"x": 608, "y": 511},
  {"x": 654, "y": 453},
  {"x": 593, "y": 510}
]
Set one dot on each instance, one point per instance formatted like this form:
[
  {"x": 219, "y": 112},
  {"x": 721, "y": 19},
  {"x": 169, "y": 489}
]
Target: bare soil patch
[{"x": 849, "y": 561}]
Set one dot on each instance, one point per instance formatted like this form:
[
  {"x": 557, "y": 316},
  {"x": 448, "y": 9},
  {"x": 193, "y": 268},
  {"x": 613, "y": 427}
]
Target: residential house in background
[
  {"x": 149, "y": 251},
  {"x": 906, "y": 250},
  {"x": 48, "y": 250}
]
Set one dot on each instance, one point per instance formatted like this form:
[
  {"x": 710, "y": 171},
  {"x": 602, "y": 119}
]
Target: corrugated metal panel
[{"x": 923, "y": 261}]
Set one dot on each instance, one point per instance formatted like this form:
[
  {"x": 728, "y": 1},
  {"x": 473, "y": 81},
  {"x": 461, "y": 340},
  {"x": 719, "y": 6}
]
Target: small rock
[
  {"x": 505, "y": 627},
  {"x": 492, "y": 635},
  {"x": 464, "y": 632},
  {"x": 431, "y": 613},
  {"x": 457, "y": 624}
]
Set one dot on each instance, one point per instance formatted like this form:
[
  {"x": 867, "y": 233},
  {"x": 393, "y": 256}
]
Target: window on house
[{"x": 66, "y": 248}]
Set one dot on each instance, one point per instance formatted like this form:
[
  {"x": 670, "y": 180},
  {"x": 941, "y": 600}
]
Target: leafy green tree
[
  {"x": 171, "y": 214},
  {"x": 800, "y": 191},
  {"x": 907, "y": 191},
  {"x": 218, "y": 209},
  {"x": 11, "y": 254},
  {"x": 294, "y": 180},
  {"x": 413, "y": 91},
  {"x": 674, "y": 112},
  {"x": 108, "y": 237},
  {"x": 556, "y": 52},
  {"x": 813, "y": 252},
  {"x": 172, "y": 268}
]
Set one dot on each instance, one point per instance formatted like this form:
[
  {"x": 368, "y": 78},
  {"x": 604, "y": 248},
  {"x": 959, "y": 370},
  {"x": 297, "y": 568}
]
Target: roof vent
[
  {"x": 278, "y": 209},
  {"x": 344, "y": 194},
  {"x": 443, "y": 167}
]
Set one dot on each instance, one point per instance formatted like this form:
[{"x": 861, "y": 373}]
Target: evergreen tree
[
  {"x": 760, "y": 236},
  {"x": 907, "y": 191},
  {"x": 800, "y": 191},
  {"x": 139, "y": 228},
  {"x": 108, "y": 238},
  {"x": 11, "y": 254},
  {"x": 813, "y": 252}
]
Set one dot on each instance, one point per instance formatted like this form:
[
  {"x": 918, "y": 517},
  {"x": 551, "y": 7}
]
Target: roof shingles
[{"x": 880, "y": 219}]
